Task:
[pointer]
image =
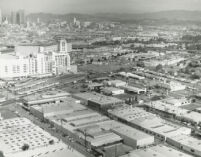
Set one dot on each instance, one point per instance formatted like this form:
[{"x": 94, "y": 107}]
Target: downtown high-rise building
[
  {"x": 0, "y": 17},
  {"x": 18, "y": 17},
  {"x": 13, "y": 17}
]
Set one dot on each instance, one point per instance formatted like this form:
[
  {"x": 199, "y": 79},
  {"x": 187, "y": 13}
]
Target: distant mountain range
[{"x": 178, "y": 15}]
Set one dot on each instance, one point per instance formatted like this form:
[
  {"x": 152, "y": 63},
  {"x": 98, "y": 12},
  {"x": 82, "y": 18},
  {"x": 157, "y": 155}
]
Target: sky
[{"x": 98, "y": 6}]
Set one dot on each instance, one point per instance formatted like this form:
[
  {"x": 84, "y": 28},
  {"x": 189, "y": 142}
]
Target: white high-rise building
[
  {"x": 0, "y": 17},
  {"x": 39, "y": 60}
]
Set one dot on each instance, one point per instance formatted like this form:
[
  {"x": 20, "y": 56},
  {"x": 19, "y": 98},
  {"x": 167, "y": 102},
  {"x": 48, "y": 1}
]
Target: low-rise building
[
  {"x": 133, "y": 137},
  {"x": 131, "y": 75},
  {"x": 20, "y": 137},
  {"x": 45, "y": 97},
  {"x": 67, "y": 105},
  {"x": 116, "y": 83},
  {"x": 95, "y": 137},
  {"x": 112, "y": 91},
  {"x": 148, "y": 122},
  {"x": 133, "y": 89},
  {"x": 162, "y": 106},
  {"x": 171, "y": 85},
  {"x": 157, "y": 151},
  {"x": 2, "y": 84},
  {"x": 187, "y": 143},
  {"x": 98, "y": 101},
  {"x": 177, "y": 102},
  {"x": 2, "y": 98},
  {"x": 173, "y": 108}
]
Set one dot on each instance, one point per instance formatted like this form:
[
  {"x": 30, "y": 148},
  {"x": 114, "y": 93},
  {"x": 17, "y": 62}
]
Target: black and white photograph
[{"x": 100, "y": 78}]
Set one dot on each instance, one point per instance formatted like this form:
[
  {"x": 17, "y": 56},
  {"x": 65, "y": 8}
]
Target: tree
[
  {"x": 195, "y": 77},
  {"x": 140, "y": 64},
  {"x": 25, "y": 147},
  {"x": 51, "y": 142},
  {"x": 159, "y": 67}
]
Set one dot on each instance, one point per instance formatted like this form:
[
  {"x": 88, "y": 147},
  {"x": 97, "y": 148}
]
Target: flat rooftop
[
  {"x": 112, "y": 89},
  {"x": 131, "y": 113},
  {"x": 89, "y": 120},
  {"x": 131, "y": 132},
  {"x": 98, "y": 98},
  {"x": 149, "y": 121},
  {"x": 98, "y": 137},
  {"x": 62, "y": 107},
  {"x": 166, "y": 107},
  {"x": 193, "y": 116},
  {"x": 168, "y": 151},
  {"x": 157, "y": 151},
  {"x": 63, "y": 153},
  {"x": 46, "y": 95},
  {"x": 16, "y": 132},
  {"x": 188, "y": 141},
  {"x": 79, "y": 115}
]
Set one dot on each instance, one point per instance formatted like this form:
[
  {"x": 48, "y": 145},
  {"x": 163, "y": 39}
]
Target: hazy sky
[{"x": 95, "y": 6}]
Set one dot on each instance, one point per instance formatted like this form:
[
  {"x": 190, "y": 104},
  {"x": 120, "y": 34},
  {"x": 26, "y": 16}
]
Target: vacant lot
[{"x": 104, "y": 68}]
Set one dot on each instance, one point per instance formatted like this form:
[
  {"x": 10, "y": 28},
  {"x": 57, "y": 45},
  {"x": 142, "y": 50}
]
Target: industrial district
[{"x": 79, "y": 87}]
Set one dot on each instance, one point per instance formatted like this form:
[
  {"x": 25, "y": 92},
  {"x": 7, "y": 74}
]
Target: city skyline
[{"x": 97, "y": 6}]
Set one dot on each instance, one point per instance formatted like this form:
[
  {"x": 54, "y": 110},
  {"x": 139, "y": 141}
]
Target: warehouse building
[
  {"x": 148, "y": 122},
  {"x": 84, "y": 128},
  {"x": 98, "y": 101},
  {"x": 19, "y": 137},
  {"x": 157, "y": 151},
  {"x": 177, "y": 102},
  {"x": 96, "y": 137},
  {"x": 131, "y": 75},
  {"x": 133, "y": 137},
  {"x": 167, "y": 108},
  {"x": 112, "y": 91},
  {"x": 179, "y": 113},
  {"x": 45, "y": 97},
  {"x": 115, "y": 83},
  {"x": 187, "y": 143},
  {"x": 95, "y": 131},
  {"x": 171, "y": 85},
  {"x": 68, "y": 105},
  {"x": 133, "y": 89}
]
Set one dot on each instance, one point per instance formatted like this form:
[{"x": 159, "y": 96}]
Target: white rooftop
[
  {"x": 16, "y": 132},
  {"x": 149, "y": 121},
  {"x": 130, "y": 132},
  {"x": 98, "y": 98},
  {"x": 157, "y": 151},
  {"x": 188, "y": 141}
]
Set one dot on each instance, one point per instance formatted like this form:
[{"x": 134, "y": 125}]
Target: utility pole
[{"x": 85, "y": 138}]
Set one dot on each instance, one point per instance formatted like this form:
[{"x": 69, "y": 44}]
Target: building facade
[{"x": 37, "y": 62}]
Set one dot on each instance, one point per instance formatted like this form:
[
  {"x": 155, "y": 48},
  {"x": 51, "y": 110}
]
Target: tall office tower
[
  {"x": 38, "y": 20},
  {"x": 13, "y": 17},
  {"x": 74, "y": 21},
  {"x": 0, "y": 17},
  {"x": 20, "y": 18}
]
